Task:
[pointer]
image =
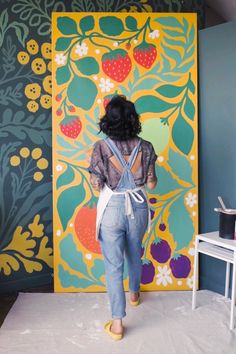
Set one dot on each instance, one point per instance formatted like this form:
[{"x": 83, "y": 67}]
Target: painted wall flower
[
  {"x": 154, "y": 34},
  {"x": 163, "y": 276},
  {"x": 191, "y": 199},
  {"x": 60, "y": 59},
  {"x": 105, "y": 85},
  {"x": 81, "y": 49}
]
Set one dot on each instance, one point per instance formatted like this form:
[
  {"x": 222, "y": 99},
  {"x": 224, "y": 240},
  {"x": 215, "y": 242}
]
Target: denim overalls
[{"x": 121, "y": 230}]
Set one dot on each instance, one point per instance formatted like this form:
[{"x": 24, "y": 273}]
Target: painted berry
[
  {"x": 145, "y": 54},
  {"x": 72, "y": 109},
  {"x": 148, "y": 272},
  {"x": 59, "y": 112},
  {"x": 116, "y": 64},
  {"x": 162, "y": 227},
  {"x": 71, "y": 126},
  {"x": 128, "y": 46},
  {"x": 152, "y": 200},
  {"x": 152, "y": 212},
  {"x": 180, "y": 266},
  {"x": 58, "y": 97},
  {"x": 160, "y": 250}
]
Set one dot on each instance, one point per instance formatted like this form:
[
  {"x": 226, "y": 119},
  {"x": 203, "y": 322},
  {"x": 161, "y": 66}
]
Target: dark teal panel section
[{"x": 217, "y": 136}]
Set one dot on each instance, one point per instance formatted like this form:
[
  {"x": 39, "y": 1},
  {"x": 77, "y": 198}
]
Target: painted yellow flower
[
  {"x": 46, "y": 101},
  {"x": 46, "y": 50},
  {"x": 42, "y": 164},
  {"x": 38, "y": 176},
  {"x": 38, "y": 66},
  {"x": 23, "y": 58},
  {"x": 15, "y": 160},
  {"x": 36, "y": 153},
  {"x": 32, "y": 46},
  {"x": 47, "y": 84},
  {"x": 33, "y": 91},
  {"x": 24, "y": 152},
  {"x": 50, "y": 66},
  {"x": 33, "y": 106}
]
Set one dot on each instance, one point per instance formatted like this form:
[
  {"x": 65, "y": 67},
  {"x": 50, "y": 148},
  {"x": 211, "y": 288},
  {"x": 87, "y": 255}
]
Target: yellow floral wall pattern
[{"x": 152, "y": 59}]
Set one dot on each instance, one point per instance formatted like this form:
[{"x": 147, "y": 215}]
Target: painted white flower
[
  {"x": 81, "y": 49},
  {"x": 60, "y": 59},
  {"x": 163, "y": 277},
  {"x": 135, "y": 41},
  {"x": 191, "y": 251},
  {"x": 115, "y": 44},
  {"x": 88, "y": 256},
  {"x": 160, "y": 158},
  {"x": 190, "y": 282},
  {"x": 99, "y": 100},
  {"x": 58, "y": 168},
  {"x": 97, "y": 51},
  {"x": 95, "y": 77},
  {"x": 191, "y": 199},
  {"x": 58, "y": 233},
  {"x": 105, "y": 85},
  {"x": 179, "y": 282},
  {"x": 154, "y": 34},
  {"x": 192, "y": 157}
]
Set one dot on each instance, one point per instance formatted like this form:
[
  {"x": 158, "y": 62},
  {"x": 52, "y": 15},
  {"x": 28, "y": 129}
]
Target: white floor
[{"x": 163, "y": 324}]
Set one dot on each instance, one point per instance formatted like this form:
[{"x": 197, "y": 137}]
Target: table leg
[
  {"x": 195, "y": 274},
  {"x": 227, "y": 279},
  {"x": 232, "y": 312}
]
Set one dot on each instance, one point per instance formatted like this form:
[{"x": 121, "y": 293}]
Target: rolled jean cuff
[{"x": 115, "y": 317}]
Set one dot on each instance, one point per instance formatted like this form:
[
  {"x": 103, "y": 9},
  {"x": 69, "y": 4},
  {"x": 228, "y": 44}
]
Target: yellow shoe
[
  {"x": 115, "y": 336},
  {"x": 135, "y": 303}
]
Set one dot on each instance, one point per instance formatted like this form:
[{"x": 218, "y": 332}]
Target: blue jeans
[{"x": 121, "y": 235}]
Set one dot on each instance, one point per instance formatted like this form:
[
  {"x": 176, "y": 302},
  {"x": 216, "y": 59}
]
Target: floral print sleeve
[
  {"x": 96, "y": 168},
  {"x": 151, "y": 174}
]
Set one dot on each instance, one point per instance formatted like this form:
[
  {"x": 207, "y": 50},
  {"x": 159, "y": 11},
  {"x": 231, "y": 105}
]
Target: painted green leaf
[
  {"x": 111, "y": 25},
  {"x": 174, "y": 42},
  {"x": 71, "y": 197},
  {"x": 151, "y": 103},
  {"x": 191, "y": 86},
  {"x": 166, "y": 183},
  {"x": 63, "y": 43},
  {"x": 182, "y": 134},
  {"x": 82, "y": 92},
  {"x": 66, "y": 178},
  {"x": 131, "y": 23},
  {"x": 98, "y": 268},
  {"x": 168, "y": 21},
  {"x": 67, "y": 279},
  {"x": 170, "y": 91},
  {"x": 180, "y": 166},
  {"x": 87, "y": 23},
  {"x": 146, "y": 84},
  {"x": 63, "y": 74},
  {"x": 191, "y": 34},
  {"x": 173, "y": 33},
  {"x": 87, "y": 66},
  {"x": 180, "y": 224},
  {"x": 72, "y": 256},
  {"x": 157, "y": 133},
  {"x": 172, "y": 53},
  {"x": 189, "y": 108},
  {"x": 66, "y": 25},
  {"x": 185, "y": 67},
  {"x": 22, "y": 31}
]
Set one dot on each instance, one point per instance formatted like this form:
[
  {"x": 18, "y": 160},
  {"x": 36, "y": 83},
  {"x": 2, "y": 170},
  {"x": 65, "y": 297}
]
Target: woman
[{"x": 121, "y": 165}]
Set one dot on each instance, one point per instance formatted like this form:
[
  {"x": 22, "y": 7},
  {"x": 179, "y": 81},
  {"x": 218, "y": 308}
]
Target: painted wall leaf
[
  {"x": 131, "y": 23},
  {"x": 180, "y": 224},
  {"x": 182, "y": 134},
  {"x": 189, "y": 108},
  {"x": 63, "y": 74},
  {"x": 67, "y": 279},
  {"x": 72, "y": 256},
  {"x": 82, "y": 92},
  {"x": 87, "y": 66},
  {"x": 146, "y": 84},
  {"x": 184, "y": 68},
  {"x": 86, "y": 23},
  {"x": 67, "y": 25},
  {"x": 174, "y": 42},
  {"x": 151, "y": 103},
  {"x": 191, "y": 86},
  {"x": 21, "y": 30},
  {"x": 98, "y": 268},
  {"x": 172, "y": 53},
  {"x": 169, "y": 21},
  {"x": 170, "y": 91},
  {"x": 180, "y": 166},
  {"x": 63, "y": 43},
  {"x": 173, "y": 33},
  {"x": 111, "y": 25},
  {"x": 66, "y": 178},
  {"x": 72, "y": 197},
  {"x": 166, "y": 183}
]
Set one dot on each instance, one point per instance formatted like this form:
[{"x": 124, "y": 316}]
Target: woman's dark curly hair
[{"x": 121, "y": 121}]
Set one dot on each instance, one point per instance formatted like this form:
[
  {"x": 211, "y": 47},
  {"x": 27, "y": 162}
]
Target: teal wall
[{"x": 217, "y": 136}]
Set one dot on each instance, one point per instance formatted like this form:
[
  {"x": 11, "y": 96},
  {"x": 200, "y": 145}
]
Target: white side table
[{"x": 213, "y": 245}]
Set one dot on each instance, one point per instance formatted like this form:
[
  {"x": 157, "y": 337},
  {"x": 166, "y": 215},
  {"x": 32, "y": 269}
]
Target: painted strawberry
[
  {"x": 180, "y": 266},
  {"x": 108, "y": 98},
  {"x": 71, "y": 126},
  {"x": 85, "y": 228},
  {"x": 145, "y": 54},
  {"x": 148, "y": 271},
  {"x": 116, "y": 64},
  {"x": 162, "y": 227},
  {"x": 160, "y": 250}
]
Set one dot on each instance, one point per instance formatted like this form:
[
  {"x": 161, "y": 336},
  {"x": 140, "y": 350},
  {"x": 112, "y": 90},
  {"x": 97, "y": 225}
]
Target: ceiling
[{"x": 220, "y": 11}]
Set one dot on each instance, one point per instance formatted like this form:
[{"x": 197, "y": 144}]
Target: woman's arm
[
  {"x": 151, "y": 177},
  {"x": 96, "y": 182}
]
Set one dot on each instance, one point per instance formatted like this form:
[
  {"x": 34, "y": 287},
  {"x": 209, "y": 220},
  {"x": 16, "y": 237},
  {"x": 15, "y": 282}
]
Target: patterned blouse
[{"x": 103, "y": 170}]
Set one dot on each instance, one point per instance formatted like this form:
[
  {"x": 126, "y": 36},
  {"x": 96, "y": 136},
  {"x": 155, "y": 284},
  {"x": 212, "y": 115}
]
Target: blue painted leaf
[
  {"x": 146, "y": 84},
  {"x": 63, "y": 143},
  {"x": 173, "y": 33},
  {"x": 63, "y": 43},
  {"x": 170, "y": 91},
  {"x": 174, "y": 42},
  {"x": 87, "y": 23},
  {"x": 67, "y": 153},
  {"x": 131, "y": 23},
  {"x": 172, "y": 53},
  {"x": 72, "y": 256},
  {"x": 93, "y": 130},
  {"x": 151, "y": 103},
  {"x": 180, "y": 224},
  {"x": 184, "y": 68},
  {"x": 111, "y": 25},
  {"x": 67, "y": 279},
  {"x": 63, "y": 74},
  {"x": 66, "y": 178},
  {"x": 189, "y": 108},
  {"x": 191, "y": 35},
  {"x": 166, "y": 64},
  {"x": 191, "y": 86},
  {"x": 66, "y": 25},
  {"x": 98, "y": 268},
  {"x": 180, "y": 166},
  {"x": 169, "y": 21},
  {"x": 87, "y": 139},
  {"x": 166, "y": 183},
  {"x": 68, "y": 201},
  {"x": 87, "y": 66},
  {"x": 82, "y": 92},
  {"x": 136, "y": 74},
  {"x": 182, "y": 134}
]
